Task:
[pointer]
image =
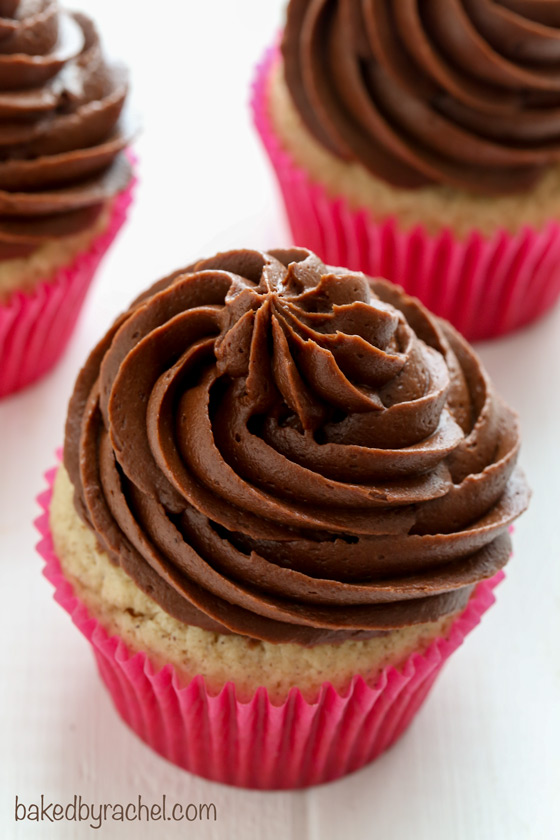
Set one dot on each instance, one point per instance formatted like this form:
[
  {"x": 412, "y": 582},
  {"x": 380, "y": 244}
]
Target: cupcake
[
  {"x": 285, "y": 498},
  {"x": 420, "y": 141},
  {"x": 65, "y": 178}
]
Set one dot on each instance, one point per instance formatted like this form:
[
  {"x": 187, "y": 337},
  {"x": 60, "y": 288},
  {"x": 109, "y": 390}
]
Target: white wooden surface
[{"x": 482, "y": 760}]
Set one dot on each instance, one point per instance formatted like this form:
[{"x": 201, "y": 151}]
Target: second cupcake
[{"x": 421, "y": 142}]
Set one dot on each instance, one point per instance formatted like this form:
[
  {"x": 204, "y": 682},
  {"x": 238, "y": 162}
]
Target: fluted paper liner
[
  {"x": 257, "y": 744},
  {"x": 486, "y": 286},
  {"x": 35, "y": 326}
]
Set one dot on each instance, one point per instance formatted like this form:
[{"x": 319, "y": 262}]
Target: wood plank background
[{"x": 481, "y": 761}]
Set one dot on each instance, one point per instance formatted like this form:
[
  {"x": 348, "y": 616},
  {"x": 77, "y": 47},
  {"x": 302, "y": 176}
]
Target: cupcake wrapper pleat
[
  {"x": 35, "y": 326},
  {"x": 486, "y": 286},
  {"x": 257, "y": 744}
]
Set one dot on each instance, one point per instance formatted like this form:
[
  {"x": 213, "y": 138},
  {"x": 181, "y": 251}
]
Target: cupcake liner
[
  {"x": 258, "y": 744},
  {"x": 36, "y": 326},
  {"x": 486, "y": 286}
]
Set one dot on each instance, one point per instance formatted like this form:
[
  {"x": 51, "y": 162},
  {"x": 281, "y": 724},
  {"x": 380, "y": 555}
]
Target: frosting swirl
[
  {"x": 61, "y": 132},
  {"x": 457, "y": 92},
  {"x": 292, "y": 452}
]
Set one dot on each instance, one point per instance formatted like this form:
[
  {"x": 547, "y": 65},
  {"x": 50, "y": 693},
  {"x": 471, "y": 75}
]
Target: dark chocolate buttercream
[
  {"x": 458, "y": 92},
  {"x": 62, "y": 134},
  {"x": 292, "y": 452}
]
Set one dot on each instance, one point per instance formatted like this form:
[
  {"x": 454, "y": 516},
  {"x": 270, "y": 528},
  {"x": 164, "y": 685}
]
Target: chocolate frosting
[
  {"x": 293, "y": 452},
  {"x": 62, "y": 134},
  {"x": 457, "y": 92}
]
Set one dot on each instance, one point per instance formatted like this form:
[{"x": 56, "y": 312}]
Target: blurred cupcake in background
[
  {"x": 420, "y": 141},
  {"x": 65, "y": 178}
]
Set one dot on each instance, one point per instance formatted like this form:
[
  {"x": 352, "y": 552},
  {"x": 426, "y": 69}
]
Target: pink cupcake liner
[
  {"x": 257, "y": 744},
  {"x": 35, "y": 327},
  {"x": 486, "y": 286}
]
